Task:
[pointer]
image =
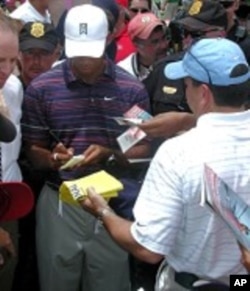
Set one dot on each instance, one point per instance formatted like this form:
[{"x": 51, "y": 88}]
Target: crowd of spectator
[{"x": 61, "y": 85}]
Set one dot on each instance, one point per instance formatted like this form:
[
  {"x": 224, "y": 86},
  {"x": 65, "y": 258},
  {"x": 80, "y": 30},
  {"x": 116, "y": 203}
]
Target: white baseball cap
[{"x": 86, "y": 30}]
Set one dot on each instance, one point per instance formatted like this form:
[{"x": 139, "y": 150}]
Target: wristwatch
[{"x": 104, "y": 212}]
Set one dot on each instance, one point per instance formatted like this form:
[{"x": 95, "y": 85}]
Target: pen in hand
[
  {"x": 60, "y": 152},
  {"x": 55, "y": 137}
]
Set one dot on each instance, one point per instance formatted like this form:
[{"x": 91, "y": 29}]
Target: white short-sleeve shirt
[
  {"x": 13, "y": 96},
  {"x": 169, "y": 219},
  {"x": 27, "y": 13}
]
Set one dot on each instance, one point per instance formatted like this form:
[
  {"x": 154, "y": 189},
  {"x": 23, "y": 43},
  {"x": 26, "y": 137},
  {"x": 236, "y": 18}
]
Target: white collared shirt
[
  {"x": 27, "y": 13},
  {"x": 13, "y": 96},
  {"x": 169, "y": 219},
  {"x": 132, "y": 66}
]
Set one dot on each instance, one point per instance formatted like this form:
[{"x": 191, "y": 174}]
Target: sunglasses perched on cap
[
  {"x": 198, "y": 62},
  {"x": 139, "y": 10}
]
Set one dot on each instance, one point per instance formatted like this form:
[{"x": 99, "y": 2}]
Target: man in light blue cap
[
  {"x": 211, "y": 61},
  {"x": 216, "y": 62},
  {"x": 171, "y": 223}
]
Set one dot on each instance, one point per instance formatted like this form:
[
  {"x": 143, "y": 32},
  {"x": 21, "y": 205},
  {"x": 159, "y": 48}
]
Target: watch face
[{"x": 104, "y": 212}]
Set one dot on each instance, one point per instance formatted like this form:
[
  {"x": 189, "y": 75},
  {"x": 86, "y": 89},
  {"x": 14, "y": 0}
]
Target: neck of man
[
  {"x": 88, "y": 78},
  {"x": 25, "y": 80},
  {"x": 227, "y": 109},
  {"x": 145, "y": 62},
  {"x": 39, "y": 7}
]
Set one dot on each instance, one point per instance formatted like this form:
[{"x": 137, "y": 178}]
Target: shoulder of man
[
  {"x": 13, "y": 91},
  {"x": 168, "y": 59},
  {"x": 19, "y": 10},
  {"x": 123, "y": 73},
  {"x": 237, "y": 33},
  {"x": 245, "y": 46},
  {"x": 165, "y": 94},
  {"x": 13, "y": 84},
  {"x": 127, "y": 63}
]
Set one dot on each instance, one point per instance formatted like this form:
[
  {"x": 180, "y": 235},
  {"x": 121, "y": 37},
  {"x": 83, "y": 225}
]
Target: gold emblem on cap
[
  {"x": 37, "y": 29},
  {"x": 195, "y": 8},
  {"x": 169, "y": 90}
]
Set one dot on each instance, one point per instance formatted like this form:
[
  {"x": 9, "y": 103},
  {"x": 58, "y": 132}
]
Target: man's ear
[
  {"x": 110, "y": 38},
  {"x": 207, "y": 100},
  {"x": 137, "y": 44}
]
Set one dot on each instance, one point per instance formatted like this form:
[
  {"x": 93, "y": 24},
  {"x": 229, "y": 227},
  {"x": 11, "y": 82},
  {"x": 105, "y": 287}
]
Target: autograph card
[{"x": 72, "y": 162}]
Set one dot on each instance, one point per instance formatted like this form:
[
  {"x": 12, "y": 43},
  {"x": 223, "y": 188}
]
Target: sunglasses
[
  {"x": 139, "y": 10},
  {"x": 199, "y": 34},
  {"x": 189, "y": 51},
  {"x": 194, "y": 34}
]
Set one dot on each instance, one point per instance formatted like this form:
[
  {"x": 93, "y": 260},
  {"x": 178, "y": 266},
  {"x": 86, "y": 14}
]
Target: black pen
[{"x": 55, "y": 137}]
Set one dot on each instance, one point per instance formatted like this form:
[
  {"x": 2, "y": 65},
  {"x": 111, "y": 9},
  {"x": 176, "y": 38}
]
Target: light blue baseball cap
[{"x": 211, "y": 61}]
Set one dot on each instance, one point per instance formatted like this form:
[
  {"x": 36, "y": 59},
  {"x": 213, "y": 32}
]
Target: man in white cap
[
  {"x": 74, "y": 103},
  {"x": 170, "y": 221}
]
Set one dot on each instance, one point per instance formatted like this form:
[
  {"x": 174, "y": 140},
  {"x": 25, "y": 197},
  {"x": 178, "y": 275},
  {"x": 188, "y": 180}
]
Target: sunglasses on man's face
[
  {"x": 199, "y": 34},
  {"x": 139, "y": 10},
  {"x": 194, "y": 34}
]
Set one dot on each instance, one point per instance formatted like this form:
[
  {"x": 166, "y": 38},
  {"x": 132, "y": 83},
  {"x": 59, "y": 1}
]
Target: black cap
[
  {"x": 7, "y": 129},
  {"x": 111, "y": 7},
  {"x": 38, "y": 35},
  {"x": 203, "y": 15}
]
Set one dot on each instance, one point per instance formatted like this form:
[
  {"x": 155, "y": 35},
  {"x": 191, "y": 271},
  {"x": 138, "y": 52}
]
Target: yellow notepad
[{"x": 73, "y": 191}]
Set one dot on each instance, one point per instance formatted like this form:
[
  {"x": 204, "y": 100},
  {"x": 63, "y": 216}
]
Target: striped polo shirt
[
  {"x": 79, "y": 114},
  {"x": 169, "y": 219}
]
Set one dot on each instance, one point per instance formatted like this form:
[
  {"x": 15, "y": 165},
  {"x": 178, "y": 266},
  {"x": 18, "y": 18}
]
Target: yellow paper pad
[{"x": 73, "y": 191}]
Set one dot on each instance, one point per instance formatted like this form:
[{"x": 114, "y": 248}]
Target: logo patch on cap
[
  {"x": 146, "y": 19},
  {"x": 37, "y": 30},
  {"x": 195, "y": 8},
  {"x": 83, "y": 28}
]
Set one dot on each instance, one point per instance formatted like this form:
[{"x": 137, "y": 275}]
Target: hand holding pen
[{"x": 60, "y": 153}]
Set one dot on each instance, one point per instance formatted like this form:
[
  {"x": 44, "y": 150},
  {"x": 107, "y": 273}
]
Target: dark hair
[
  {"x": 232, "y": 95},
  {"x": 149, "y": 3}
]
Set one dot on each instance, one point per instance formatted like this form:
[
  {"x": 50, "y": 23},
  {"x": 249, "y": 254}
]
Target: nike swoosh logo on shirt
[{"x": 109, "y": 98}]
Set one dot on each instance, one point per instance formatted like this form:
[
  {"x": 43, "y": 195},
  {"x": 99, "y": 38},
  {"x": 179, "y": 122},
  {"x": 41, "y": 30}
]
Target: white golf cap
[{"x": 86, "y": 30}]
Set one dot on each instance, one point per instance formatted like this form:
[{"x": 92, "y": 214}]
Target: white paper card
[
  {"x": 72, "y": 162},
  {"x": 130, "y": 137}
]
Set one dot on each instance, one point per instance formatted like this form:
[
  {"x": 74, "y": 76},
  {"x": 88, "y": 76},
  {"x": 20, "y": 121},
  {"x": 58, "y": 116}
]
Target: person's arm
[
  {"x": 245, "y": 257},
  {"x": 96, "y": 153},
  {"x": 168, "y": 124},
  {"x": 118, "y": 228},
  {"x": 43, "y": 158},
  {"x": 6, "y": 244}
]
